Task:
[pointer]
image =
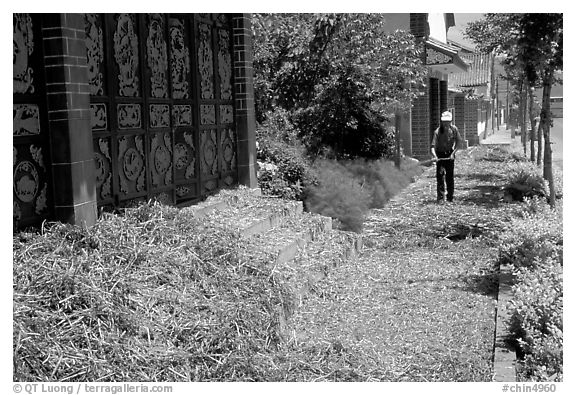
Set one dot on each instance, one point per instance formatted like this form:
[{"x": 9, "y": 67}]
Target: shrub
[
  {"x": 536, "y": 320},
  {"x": 342, "y": 122},
  {"x": 525, "y": 181},
  {"x": 533, "y": 237},
  {"x": 284, "y": 170},
  {"x": 339, "y": 195},
  {"x": 382, "y": 178},
  {"x": 345, "y": 190}
]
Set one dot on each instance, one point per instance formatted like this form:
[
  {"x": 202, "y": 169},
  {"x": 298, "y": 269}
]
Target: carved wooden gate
[
  {"x": 162, "y": 106},
  {"x": 31, "y": 184}
]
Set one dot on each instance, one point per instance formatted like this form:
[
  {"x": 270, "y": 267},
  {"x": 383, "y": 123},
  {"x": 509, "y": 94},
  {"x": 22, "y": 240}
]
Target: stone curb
[{"x": 504, "y": 355}]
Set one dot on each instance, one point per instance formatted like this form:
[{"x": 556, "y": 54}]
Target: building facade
[
  {"x": 442, "y": 59},
  {"x": 111, "y": 109}
]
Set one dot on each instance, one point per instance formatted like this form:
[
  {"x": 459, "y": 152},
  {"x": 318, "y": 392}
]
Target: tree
[
  {"x": 342, "y": 76},
  {"x": 533, "y": 45}
]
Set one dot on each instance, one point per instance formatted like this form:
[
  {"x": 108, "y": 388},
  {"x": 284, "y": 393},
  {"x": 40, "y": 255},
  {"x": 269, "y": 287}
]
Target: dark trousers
[{"x": 445, "y": 173}]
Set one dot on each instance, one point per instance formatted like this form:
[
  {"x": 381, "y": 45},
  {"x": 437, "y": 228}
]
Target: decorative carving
[
  {"x": 23, "y": 47},
  {"x": 207, "y": 114},
  {"x": 435, "y": 57},
  {"x": 182, "y": 191},
  {"x": 210, "y": 185},
  {"x": 228, "y": 180},
  {"x": 228, "y": 145},
  {"x": 26, "y": 181},
  {"x": 222, "y": 19},
  {"x": 206, "y": 62},
  {"x": 26, "y": 119},
  {"x": 94, "y": 53},
  {"x": 132, "y": 163},
  {"x": 162, "y": 159},
  {"x": 139, "y": 142},
  {"x": 126, "y": 55},
  {"x": 180, "y": 60},
  {"x": 157, "y": 56},
  {"x": 103, "y": 161},
  {"x": 129, "y": 116},
  {"x": 182, "y": 115},
  {"x": 191, "y": 169},
  {"x": 209, "y": 152},
  {"x": 224, "y": 65},
  {"x": 226, "y": 114},
  {"x": 159, "y": 116},
  {"x": 16, "y": 211},
  {"x": 181, "y": 157},
  {"x": 98, "y": 116},
  {"x": 41, "y": 205},
  {"x": 37, "y": 155}
]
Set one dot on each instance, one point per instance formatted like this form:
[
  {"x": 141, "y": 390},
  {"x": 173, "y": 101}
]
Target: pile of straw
[{"x": 152, "y": 295}]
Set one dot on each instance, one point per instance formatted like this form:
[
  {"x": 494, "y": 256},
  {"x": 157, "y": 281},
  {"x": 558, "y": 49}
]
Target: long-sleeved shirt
[{"x": 446, "y": 141}]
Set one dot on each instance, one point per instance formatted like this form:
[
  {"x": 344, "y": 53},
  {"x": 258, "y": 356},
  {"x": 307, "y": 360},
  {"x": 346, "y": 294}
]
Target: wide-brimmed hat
[{"x": 446, "y": 116}]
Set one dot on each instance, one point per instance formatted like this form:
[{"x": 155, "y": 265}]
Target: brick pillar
[
  {"x": 443, "y": 96},
  {"x": 70, "y": 134},
  {"x": 434, "y": 105},
  {"x": 421, "y": 127},
  {"x": 419, "y": 25},
  {"x": 459, "y": 114},
  {"x": 473, "y": 138},
  {"x": 471, "y": 121},
  {"x": 244, "y": 100}
]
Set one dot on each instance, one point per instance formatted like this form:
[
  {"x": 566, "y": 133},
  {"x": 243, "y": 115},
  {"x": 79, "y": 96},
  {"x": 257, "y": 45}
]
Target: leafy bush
[
  {"x": 283, "y": 168},
  {"x": 526, "y": 181},
  {"x": 532, "y": 238},
  {"x": 382, "y": 178},
  {"x": 536, "y": 320},
  {"x": 339, "y": 195},
  {"x": 346, "y": 190},
  {"x": 341, "y": 122}
]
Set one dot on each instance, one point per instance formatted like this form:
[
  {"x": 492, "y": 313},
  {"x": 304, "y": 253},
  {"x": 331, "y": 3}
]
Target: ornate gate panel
[
  {"x": 31, "y": 186},
  {"x": 162, "y": 105}
]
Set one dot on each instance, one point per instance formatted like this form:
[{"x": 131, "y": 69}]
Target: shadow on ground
[
  {"x": 484, "y": 284},
  {"x": 483, "y": 177}
]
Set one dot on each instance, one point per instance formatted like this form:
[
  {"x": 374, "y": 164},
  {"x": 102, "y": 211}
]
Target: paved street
[
  {"x": 557, "y": 142},
  {"x": 502, "y": 136}
]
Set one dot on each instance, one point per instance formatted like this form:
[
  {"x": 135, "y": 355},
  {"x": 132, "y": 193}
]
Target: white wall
[{"x": 437, "y": 25}]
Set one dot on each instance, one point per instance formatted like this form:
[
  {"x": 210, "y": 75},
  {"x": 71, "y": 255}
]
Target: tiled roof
[{"x": 478, "y": 72}]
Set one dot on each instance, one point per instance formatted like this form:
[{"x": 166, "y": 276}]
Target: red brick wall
[
  {"x": 419, "y": 25},
  {"x": 471, "y": 121},
  {"x": 68, "y": 99},
  {"x": 421, "y": 127},
  {"x": 244, "y": 96}
]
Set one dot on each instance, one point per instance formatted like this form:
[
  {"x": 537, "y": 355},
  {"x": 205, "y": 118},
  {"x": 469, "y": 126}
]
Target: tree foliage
[
  {"x": 533, "y": 45},
  {"x": 341, "y": 76}
]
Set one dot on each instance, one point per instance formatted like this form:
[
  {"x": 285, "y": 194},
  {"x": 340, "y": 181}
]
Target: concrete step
[
  {"x": 245, "y": 211},
  {"x": 283, "y": 242}
]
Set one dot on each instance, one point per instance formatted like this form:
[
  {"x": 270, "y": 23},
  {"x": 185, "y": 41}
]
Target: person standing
[{"x": 445, "y": 143}]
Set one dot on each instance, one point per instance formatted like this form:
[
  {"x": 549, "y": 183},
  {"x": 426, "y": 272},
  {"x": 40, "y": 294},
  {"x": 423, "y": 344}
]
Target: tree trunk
[
  {"x": 545, "y": 121},
  {"x": 523, "y": 115},
  {"x": 397, "y": 126},
  {"x": 539, "y": 154},
  {"x": 532, "y": 123}
]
